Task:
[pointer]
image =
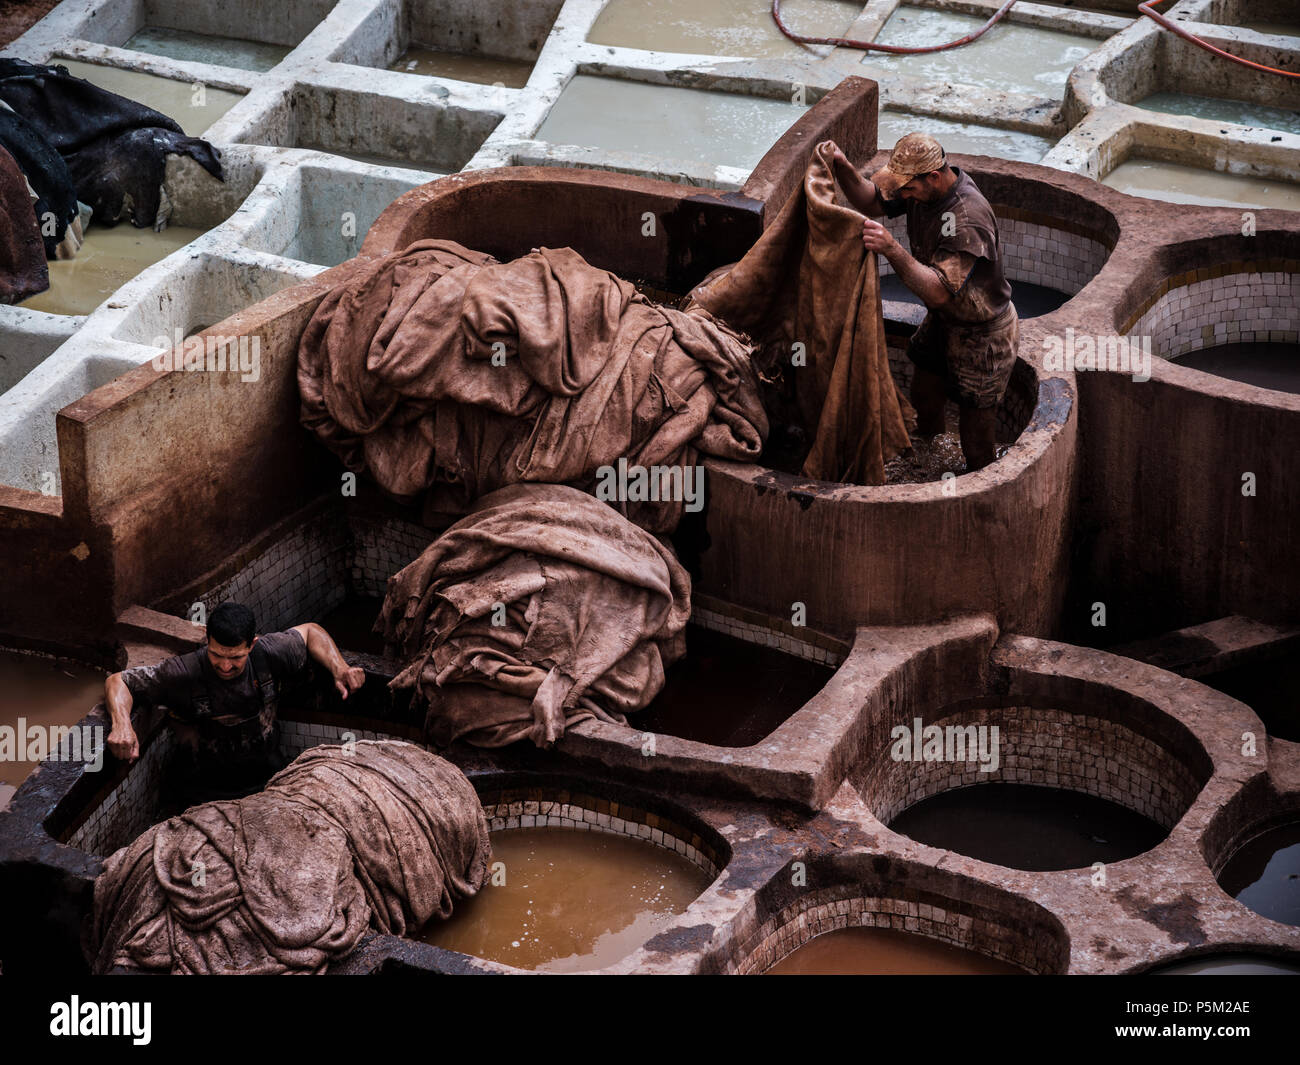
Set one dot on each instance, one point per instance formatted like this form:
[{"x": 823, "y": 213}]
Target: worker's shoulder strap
[{"x": 200, "y": 699}]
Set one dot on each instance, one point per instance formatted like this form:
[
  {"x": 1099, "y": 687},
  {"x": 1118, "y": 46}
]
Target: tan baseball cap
[{"x": 917, "y": 153}]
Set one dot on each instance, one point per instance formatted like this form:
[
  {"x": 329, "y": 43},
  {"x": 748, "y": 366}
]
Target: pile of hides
[
  {"x": 808, "y": 280},
  {"x": 440, "y": 368},
  {"x": 375, "y": 836},
  {"x": 77, "y": 142},
  {"x": 543, "y": 607}
]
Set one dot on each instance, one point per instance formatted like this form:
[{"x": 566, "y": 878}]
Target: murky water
[
  {"x": 929, "y": 460},
  {"x": 741, "y": 28},
  {"x": 44, "y": 693},
  {"x": 964, "y": 137},
  {"x": 729, "y": 692},
  {"x": 571, "y": 901},
  {"x": 1009, "y": 58},
  {"x": 1026, "y": 827},
  {"x": 1178, "y": 183},
  {"x": 690, "y": 125},
  {"x": 204, "y": 48},
  {"x": 1275, "y": 366},
  {"x": 886, "y": 952},
  {"x": 1271, "y": 689},
  {"x": 109, "y": 258},
  {"x": 194, "y": 107},
  {"x": 1221, "y": 110},
  {"x": 1228, "y": 965},
  {"x": 512, "y": 73},
  {"x": 1265, "y": 874}
]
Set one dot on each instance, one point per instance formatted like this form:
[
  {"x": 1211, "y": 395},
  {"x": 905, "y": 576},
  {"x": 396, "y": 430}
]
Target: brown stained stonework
[
  {"x": 1113, "y": 491},
  {"x": 1152, "y": 908}
]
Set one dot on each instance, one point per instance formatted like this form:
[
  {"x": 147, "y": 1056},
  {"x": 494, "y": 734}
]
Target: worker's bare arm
[
  {"x": 347, "y": 678},
  {"x": 122, "y": 740},
  {"x": 858, "y": 190},
  {"x": 925, "y": 281}
]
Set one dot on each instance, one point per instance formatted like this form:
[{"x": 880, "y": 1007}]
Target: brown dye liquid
[
  {"x": 1271, "y": 689},
  {"x": 193, "y": 111},
  {"x": 1264, "y": 874},
  {"x": 44, "y": 693},
  {"x": 351, "y": 625},
  {"x": 728, "y": 692},
  {"x": 886, "y": 952},
  {"x": 571, "y": 901},
  {"x": 484, "y": 70},
  {"x": 1271, "y": 365},
  {"x": 108, "y": 259},
  {"x": 1025, "y": 827}
]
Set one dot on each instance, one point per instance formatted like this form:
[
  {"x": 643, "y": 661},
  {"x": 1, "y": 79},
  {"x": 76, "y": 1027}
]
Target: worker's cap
[{"x": 917, "y": 153}]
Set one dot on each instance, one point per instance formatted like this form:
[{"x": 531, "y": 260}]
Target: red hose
[
  {"x": 1173, "y": 27},
  {"x": 893, "y": 49},
  {"x": 1144, "y": 8}
]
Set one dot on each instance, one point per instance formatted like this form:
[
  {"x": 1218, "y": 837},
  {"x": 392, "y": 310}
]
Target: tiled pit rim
[
  {"x": 905, "y": 897},
  {"x": 1152, "y": 767}
]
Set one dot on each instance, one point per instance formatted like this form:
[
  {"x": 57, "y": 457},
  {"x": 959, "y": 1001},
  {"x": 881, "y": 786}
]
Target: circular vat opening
[
  {"x": 1228, "y": 965},
  {"x": 1036, "y": 788},
  {"x": 1238, "y": 318},
  {"x": 1253, "y": 847},
  {"x": 579, "y": 879},
  {"x": 886, "y": 916}
]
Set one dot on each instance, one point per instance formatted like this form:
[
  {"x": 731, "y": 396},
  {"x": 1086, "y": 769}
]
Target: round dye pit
[
  {"x": 1275, "y": 366},
  {"x": 729, "y": 692},
  {"x": 570, "y": 901},
  {"x": 1227, "y": 315},
  {"x": 1264, "y": 874},
  {"x": 1228, "y": 965},
  {"x": 1025, "y": 827},
  {"x": 885, "y": 952}
]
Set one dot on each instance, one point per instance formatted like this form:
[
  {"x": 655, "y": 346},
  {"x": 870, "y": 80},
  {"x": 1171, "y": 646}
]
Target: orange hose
[{"x": 1173, "y": 27}]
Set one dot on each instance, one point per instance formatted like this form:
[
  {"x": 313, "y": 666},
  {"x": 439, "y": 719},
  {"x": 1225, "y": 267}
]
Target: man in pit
[
  {"x": 965, "y": 347},
  {"x": 222, "y": 701}
]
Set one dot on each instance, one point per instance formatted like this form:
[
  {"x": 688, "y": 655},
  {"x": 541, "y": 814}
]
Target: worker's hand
[
  {"x": 124, "y": 744},
  {"x": 876, "y": 237},
  {"x": 349, "y": 680}
]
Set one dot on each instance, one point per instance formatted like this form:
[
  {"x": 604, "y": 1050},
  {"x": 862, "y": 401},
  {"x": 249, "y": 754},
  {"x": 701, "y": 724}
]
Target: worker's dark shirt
[
  {"x": 962, "y": 247},
  {"x": 228, "y": 728}
]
